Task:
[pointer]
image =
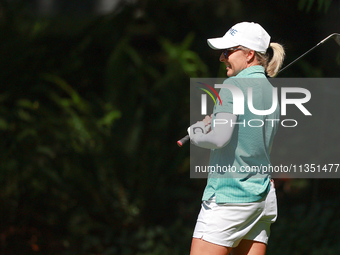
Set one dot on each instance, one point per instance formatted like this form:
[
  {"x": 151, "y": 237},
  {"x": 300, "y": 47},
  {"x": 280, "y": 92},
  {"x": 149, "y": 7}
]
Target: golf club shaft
[
  {"x": 299, "y": 57},
  {"x": 334, "y": 35}
]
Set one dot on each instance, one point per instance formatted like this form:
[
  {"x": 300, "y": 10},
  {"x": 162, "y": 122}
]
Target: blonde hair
[{"x": 272, "y": 67}]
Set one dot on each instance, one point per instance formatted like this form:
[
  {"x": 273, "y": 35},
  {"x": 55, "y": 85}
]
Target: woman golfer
[{"x": 239, "y": 207}]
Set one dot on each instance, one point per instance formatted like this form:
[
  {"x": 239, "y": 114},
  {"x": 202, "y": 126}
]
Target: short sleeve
[{"x": 226, "y": 98}]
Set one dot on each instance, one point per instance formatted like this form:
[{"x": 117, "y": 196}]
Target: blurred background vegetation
[{"x": 94, "y": 96}]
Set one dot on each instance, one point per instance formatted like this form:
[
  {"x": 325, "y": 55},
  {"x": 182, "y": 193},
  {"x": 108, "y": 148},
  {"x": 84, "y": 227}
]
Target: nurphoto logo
[{"x": 238, "y": 104}]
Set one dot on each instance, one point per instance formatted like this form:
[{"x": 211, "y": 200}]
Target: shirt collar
[{"x": 251, "y": 70}]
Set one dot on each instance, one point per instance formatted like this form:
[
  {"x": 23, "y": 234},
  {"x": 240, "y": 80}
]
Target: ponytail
[{"x": 273, "y": 65}]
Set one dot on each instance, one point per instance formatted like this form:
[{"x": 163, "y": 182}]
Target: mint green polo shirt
[{"x": 249, "y": 145}]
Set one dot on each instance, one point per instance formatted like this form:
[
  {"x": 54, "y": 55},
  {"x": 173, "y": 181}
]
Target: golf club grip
[{"x": 183, "y": 140}]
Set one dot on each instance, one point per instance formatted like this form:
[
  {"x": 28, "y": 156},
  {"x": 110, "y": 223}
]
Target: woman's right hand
[{"x": 207, "y": 119}]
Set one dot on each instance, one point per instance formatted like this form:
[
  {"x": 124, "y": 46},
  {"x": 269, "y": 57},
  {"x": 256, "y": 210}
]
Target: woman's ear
[{"x": 250, "y": 56}]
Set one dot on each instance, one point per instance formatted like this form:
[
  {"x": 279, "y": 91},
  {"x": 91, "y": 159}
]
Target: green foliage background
[{"x": 90, "y": 111}]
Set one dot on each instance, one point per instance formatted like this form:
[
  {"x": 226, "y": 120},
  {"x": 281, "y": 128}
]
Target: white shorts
[{"x": 227, "y": 224}]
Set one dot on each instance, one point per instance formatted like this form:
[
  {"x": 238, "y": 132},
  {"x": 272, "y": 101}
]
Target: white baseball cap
[{"x": 248, "y": 34}]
